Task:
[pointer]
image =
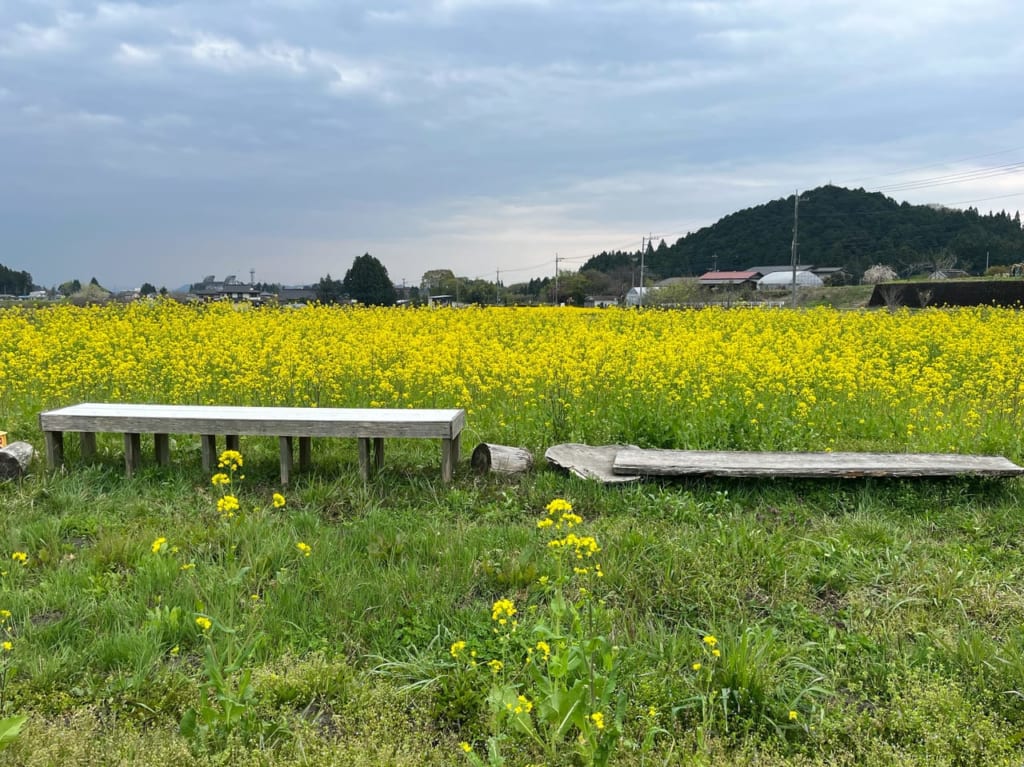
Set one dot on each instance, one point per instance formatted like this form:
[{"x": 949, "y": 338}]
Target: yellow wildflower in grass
[
  {"x": 227, "y": 505},
  {"x": 230, "y": 460},
  {"x": 598, "y": 719},
  {"x": 717, "y": 653},
  {"x": 457, "y": 648},
  {"x": 305, "y": 548},
  {"x": 502, "y": 610},
  {"x": 466, "y": 747},
  {"x": 523, "y": 705},
  {"x": 188, "y": 566},
  {"x": 542, "y": 523},
  {"x": 793, "y": 715},
  {"x": 175, "y": 650},
  {"x": 279, "y": 500},
  {"x": 220, "y": 478},
  {"x": 204, "y": 623},
  {"x": 4, "y": 615},
  {"x": 544, "y": 648},
  {"x": 158, "y": 544},
  {"x": 495, "y": 666},
  {"x": 710, "y": 640},
  {"x": 8, "y": 646},
  {"x": 20, "y": 556},
  {"x": 697, "y": 666},
  {"x": 558, "y": 505}
]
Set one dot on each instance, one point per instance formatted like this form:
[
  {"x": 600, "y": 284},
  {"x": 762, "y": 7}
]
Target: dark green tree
[
  {"x": 367, "y": 282},
  {"x": 329, "y": 291},
  {"x": 147, "y": 289}
]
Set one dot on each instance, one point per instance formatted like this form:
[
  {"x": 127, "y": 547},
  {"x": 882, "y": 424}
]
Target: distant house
[
  {"x": 228, "y": 290},
  {"x": 601, "y": 302},
  {"x": 302, "y": 294},
  {"x": 948, "y": 274},
  {"x": 729, "y": 279},
  {"x": 637, "y": 296}
]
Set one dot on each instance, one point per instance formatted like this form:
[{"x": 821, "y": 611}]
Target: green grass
[{"x": 888, "y": 614}]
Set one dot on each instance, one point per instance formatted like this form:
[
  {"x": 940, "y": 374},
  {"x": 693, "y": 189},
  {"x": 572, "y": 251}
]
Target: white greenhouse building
[{"x": 784, "y": 280}]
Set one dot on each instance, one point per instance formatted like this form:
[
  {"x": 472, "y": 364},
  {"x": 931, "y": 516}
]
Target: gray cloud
[{"x": 161, "y": 141}]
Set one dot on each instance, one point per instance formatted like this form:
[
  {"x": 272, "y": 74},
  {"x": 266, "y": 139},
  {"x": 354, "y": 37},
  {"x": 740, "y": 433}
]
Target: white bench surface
[{"x": 267, "y": 421}]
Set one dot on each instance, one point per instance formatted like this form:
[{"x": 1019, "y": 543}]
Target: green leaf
[{"x": 9, "y": 729}]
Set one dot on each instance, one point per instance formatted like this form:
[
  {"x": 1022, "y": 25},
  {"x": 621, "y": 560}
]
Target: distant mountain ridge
[{"x": 849, "y": 228}]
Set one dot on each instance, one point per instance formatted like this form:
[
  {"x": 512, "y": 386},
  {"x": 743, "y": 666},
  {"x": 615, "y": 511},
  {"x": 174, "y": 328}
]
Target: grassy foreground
[
  {"x": 179, "y": 618},
  {"x": 886, "y": 616}
]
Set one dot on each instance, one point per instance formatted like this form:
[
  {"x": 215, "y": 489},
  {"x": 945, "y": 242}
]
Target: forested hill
[{"x": 838, "y": 227}]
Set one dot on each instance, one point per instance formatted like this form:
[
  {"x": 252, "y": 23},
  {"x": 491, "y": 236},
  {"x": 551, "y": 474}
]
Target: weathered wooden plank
[
  {"x": 589, "y": 461},
  {"x": 768, "y": 464},
  {"x": 258, "y": 421}
]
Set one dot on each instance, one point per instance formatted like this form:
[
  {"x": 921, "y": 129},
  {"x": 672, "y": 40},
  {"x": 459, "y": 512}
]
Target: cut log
[
  {"x": 14, "y": 459},
  {"x": 501, "y": 459}
]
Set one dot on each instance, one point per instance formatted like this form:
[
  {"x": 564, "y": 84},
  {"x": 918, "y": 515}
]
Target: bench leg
[
  {"x": 209, "y": 449},
  {"x": 132, "y": 453},
  {"x": 54, "y": 449},
  {"x": 449, "y": 458},
  {"x": 378, "y": 453},
  {"x": 285, "y": 444},
  {"x": 162, "y": 448},
  {"x": 305, "y": 453},
  {"x": 231, "y": 442},
  {"x": 87, "y": 445},
  {"x": 364, "y": 458}
]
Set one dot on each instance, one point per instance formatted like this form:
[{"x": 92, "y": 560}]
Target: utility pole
[
  {"x": 793, "y": 257},
  {"x": 714, "y": 262},
  {"x": 497, "y": 286},
  {"x": 641, "y": 296},
  {"x": 555, "y": 302}
]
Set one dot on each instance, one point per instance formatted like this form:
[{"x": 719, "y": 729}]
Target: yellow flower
[
  {"x": 204, "y": 623},
  {"x": 20, "y": 556},
  {"x": 175, "y": 650},
  {"x": 279, "y": 500},
  {"x": 542, "y": 523},
  {"x": 495, "y": 666},
  {"x": 456, "y": 648},
  {"x": 227, "y": 505},
  {"x": 5, "y": 614},
  {"x": 717, "y": 653},
  {"x": 598, "y": 719},
  {"x": 793, "y": 716},
  {"x": 557, "y": 505},
  {"x": 158, "y": 544},
  {"x": 697, "y": 666},
  {"x": 7, "y": 646},
  {"x": 465, "y": 747},
  {"x": 230, "y": 459},
  {"x": 502, "y": 610},
  {"x": 220, "y": 478},
  {"x": 545, "y": 648},
  {"x": 187, "y": 566},
  {"x": 710, "y": 640},
  {"x": 523, "y": 705},
  {"x": 305, "y": 548}
]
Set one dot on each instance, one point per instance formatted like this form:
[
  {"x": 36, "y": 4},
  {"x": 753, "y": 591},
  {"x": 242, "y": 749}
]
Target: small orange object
[{"x": 3, "y": 439}]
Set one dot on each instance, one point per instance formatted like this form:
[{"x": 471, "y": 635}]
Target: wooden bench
[{"x": 285, "y": 423}]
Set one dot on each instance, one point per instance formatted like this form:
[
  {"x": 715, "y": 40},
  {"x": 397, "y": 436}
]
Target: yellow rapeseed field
[{"x": 935, "y": 380}]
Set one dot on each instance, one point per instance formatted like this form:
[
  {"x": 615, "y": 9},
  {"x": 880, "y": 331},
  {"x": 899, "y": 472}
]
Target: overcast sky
[{"x": 165, "y": 141}]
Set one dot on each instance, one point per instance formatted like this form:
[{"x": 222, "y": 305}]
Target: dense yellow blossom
[{"x": 926, "y": 381}]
